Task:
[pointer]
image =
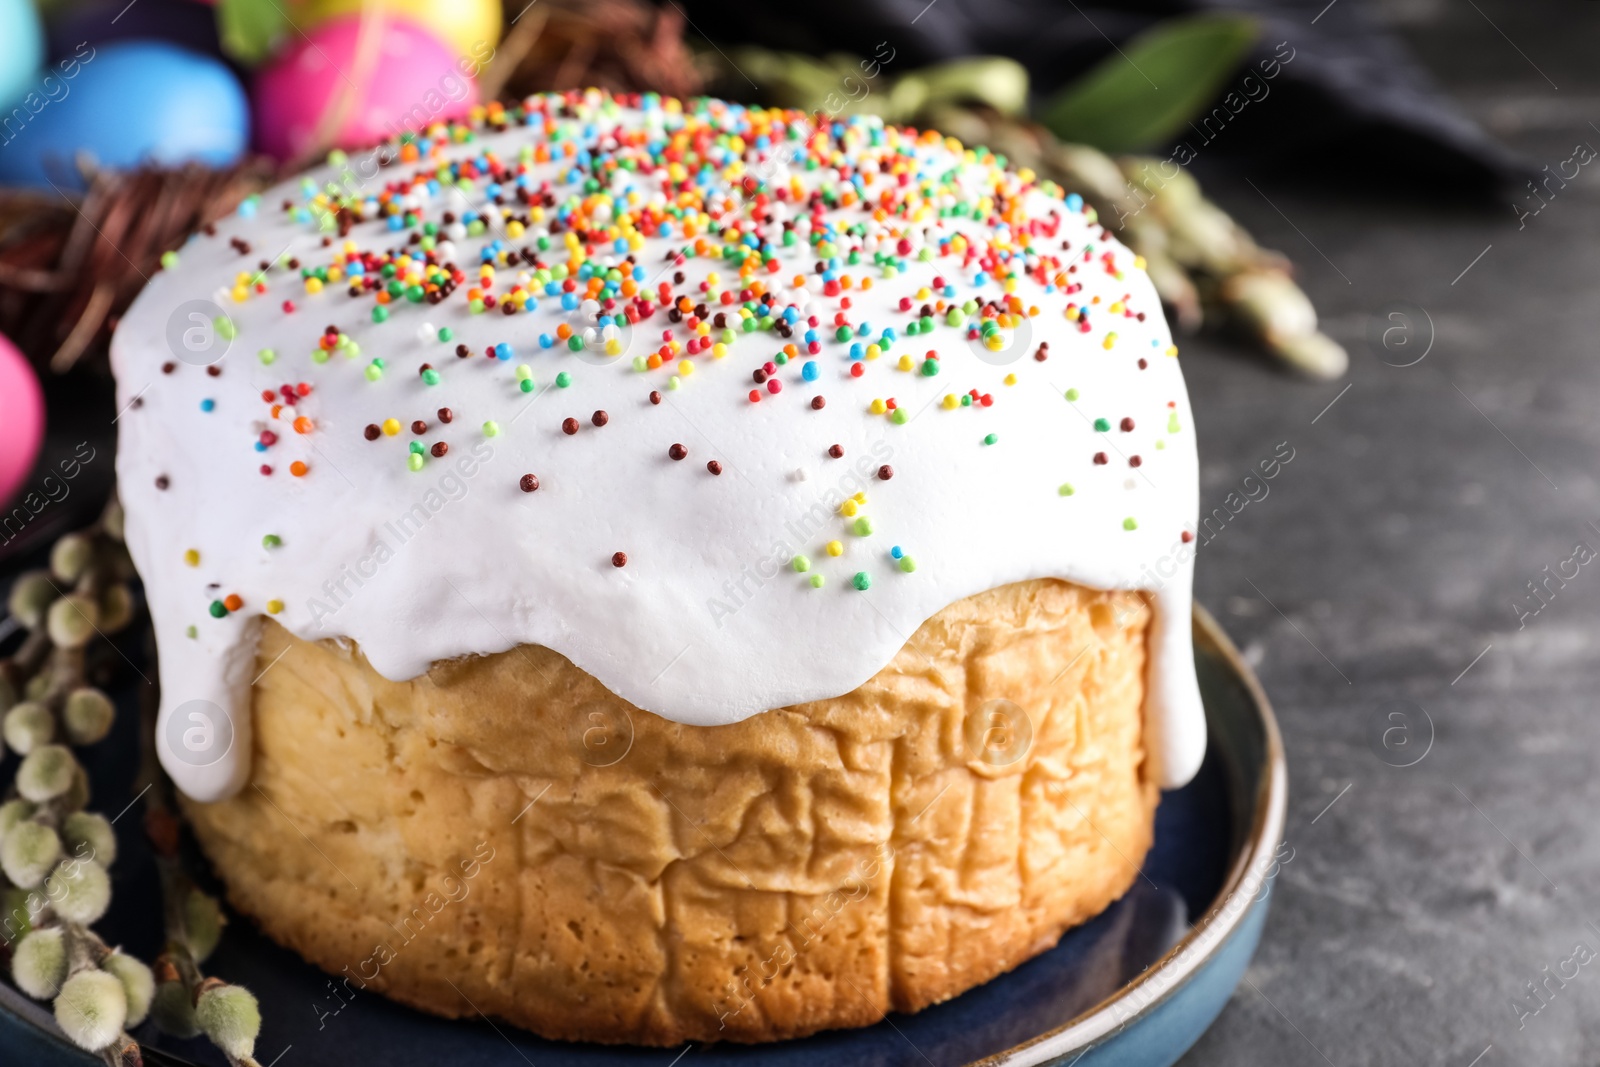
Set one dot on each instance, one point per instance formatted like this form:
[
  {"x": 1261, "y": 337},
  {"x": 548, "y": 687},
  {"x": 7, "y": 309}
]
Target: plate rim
[
  {"x": 1217, "y": 926},
  {"x": 1088, "y": 1028}
]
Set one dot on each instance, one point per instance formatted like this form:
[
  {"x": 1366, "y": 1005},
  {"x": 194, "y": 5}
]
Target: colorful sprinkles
[{"x": 761, "y": 283}]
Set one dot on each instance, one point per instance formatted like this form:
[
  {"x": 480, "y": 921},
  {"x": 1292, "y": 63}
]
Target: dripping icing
[{"x": 708, "y": 622}]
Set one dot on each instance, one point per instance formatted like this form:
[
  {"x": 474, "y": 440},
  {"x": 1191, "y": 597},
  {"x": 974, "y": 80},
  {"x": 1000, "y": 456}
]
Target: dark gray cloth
[{"x": 1352, "y": 109}]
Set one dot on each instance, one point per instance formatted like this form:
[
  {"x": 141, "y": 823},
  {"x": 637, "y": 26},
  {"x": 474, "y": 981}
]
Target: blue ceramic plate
[{"x": 1133, "y": 988}]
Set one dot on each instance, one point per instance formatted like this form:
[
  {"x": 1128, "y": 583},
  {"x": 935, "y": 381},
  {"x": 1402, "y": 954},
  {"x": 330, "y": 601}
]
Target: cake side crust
[{"x": 503, "y": 835}]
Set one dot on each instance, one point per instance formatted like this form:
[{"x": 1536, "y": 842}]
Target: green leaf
[{"x": 1146, "y": 92}]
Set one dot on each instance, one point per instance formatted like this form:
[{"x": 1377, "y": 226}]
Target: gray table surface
[{"x": 1384, "y": 570}]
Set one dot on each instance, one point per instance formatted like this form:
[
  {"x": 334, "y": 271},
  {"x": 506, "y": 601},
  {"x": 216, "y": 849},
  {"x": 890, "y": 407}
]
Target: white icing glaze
[{"x": 707, "y": 623}]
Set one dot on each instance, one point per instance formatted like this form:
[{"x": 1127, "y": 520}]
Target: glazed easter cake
[{"x": 651, "y": 571}]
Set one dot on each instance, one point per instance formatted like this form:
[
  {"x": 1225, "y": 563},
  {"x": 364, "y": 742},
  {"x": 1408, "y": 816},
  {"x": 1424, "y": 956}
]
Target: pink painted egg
[
  {"x": 358, "y": 81},
  {"x": 21, "y": 420}
]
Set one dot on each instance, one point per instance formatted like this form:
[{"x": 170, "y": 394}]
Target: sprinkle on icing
[{"x": 746, "y": 264}]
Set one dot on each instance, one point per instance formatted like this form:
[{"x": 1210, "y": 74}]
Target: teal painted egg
[{"x": 21, "y": 47}]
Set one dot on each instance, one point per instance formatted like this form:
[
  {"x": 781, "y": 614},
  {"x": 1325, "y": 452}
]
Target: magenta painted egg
[
  {"x": 21, "y": 420},
  {"x": 360, "y": 81}
]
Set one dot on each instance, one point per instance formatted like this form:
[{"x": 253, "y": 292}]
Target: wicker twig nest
[{"x": 71, "y": 264}]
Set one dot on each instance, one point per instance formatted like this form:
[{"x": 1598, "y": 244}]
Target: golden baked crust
[{"x": 487, "y": 838}]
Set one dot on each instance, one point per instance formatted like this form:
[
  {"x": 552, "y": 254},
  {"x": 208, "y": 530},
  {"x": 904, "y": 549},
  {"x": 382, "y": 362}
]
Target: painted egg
[
  {"x": 21, "y": 48},
  {"x": 354, "y": 82},
  {"x": 471, "y": 27},
  {"x": 21, "y": 419},
  {"x": 124, "y": 104},
  {"x": 252, "y": 30}
]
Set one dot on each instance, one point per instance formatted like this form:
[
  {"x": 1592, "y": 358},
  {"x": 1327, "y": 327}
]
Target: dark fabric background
[{"x": 1353, "y": 109}]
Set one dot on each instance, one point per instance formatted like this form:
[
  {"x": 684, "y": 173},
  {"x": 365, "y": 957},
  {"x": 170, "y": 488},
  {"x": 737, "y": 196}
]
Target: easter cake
[{"x": 651, "y": 571}]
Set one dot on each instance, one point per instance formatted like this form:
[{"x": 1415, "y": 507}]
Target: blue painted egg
[
  {"x": 21, "y": 47},
  {"x": 123, "y": 104}
]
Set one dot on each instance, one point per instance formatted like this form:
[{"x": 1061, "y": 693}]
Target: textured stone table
[{"x": 1384, "y": 572}]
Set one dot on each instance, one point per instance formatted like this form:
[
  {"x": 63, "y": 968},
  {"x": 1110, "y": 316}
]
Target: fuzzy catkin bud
[
  {"x": 27, "y": 726},
  {"x": 31, "y": 596},
  {"x": 79, "y": 891},
  {"x": 40, "y": 963},
  {"x": 112, "y": 519},
  {"x": 138, "y": 984},
  {"x": 20, "y": 909},
  {"x": 70, "y": 557},
  {"x": 203, "y": 920},
  {"x": 1315, "y": 354},
  {"x": 123, "y": 1052},
  {"x": 71, "y": 620},
  {"x": 29, "y": 853},
  {"x": 77, "y": 797},
  {"x": 173, "y": 1010},
  {"x": 13, "y": 812},
  {"x": 116, "y": 608},
  {"x": 92, "y": 1009},
  {"x": 87, "y": 715},
  {"x": 46, "y": 773},
  {"x": 89, "y": 836},
  {"x": 230, "y": 1017}
]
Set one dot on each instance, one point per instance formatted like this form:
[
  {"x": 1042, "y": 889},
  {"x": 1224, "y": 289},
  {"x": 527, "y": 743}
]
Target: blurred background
[{"x": 1373, "y": 226}]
